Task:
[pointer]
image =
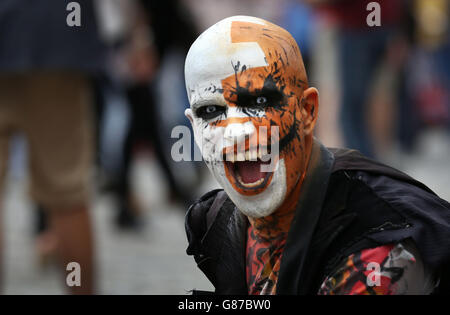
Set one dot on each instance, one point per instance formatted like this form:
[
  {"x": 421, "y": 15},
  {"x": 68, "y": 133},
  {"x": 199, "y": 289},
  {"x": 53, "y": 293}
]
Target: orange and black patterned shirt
[{"x": 385, "y": 270}]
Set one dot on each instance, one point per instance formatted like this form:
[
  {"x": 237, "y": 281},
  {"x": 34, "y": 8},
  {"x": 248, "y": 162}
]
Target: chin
[{"x": 253, "y": 205}]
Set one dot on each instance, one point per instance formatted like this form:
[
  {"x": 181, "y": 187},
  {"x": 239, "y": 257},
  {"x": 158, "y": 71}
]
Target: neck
[{"x": 276, "y": 225}]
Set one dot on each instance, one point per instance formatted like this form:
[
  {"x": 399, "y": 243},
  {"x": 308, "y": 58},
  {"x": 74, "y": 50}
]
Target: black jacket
[{"x": 349, "y": 203}]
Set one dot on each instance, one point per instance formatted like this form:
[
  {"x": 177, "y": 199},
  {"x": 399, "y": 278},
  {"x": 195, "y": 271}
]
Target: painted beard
[
  {"x": 229, "y": 113},
  {"x": 258, "y": 205}
]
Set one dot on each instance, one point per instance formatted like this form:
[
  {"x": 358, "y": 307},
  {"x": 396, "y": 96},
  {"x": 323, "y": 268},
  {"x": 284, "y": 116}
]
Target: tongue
[{"x": 250, "y": 171}]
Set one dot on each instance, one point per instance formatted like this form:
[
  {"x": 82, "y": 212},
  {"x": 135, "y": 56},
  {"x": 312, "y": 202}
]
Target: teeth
[
  {"x": 263, "y": 155},
  {"x": 260, "y": 154},
  {"x": 230, "y": 157},
  {"x": 240, "y": 157},
  {"x": 247, "y": 155},
  {"x": 249, "y": 185},
  {"x": 253, "y": 155}
]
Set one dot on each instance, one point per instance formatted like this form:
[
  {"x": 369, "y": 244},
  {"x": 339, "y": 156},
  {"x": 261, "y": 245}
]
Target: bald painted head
[{"x": 252, "y": 111}]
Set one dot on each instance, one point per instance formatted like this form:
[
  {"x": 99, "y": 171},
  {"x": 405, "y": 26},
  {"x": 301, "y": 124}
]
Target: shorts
[{"x": 53, "y": 111}]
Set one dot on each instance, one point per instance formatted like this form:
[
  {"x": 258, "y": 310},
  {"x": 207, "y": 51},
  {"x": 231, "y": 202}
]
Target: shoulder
[
  {"x": 375, "y": 189},
  {"x": 369, "y": 204},
  {"x": 213, "y": 216},
  {"x": 196, "y": 217},
  {"x": 200, "y": 207},
  {"x": 390, "y": 269}
]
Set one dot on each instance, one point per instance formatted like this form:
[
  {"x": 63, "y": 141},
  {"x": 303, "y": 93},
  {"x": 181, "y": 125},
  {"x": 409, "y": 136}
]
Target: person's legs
[
  {"x": 10, "y": 99},
  {"x": 145, "y": 126},
  {"x": 360, "y": 52},
  {"x": 72, "y": 229},
  {"x": 148, "y": 127},
  {"x": 127, "y": 216},
  {"x": 4, "y": 137},
  {"x": 57, "y": 124}
]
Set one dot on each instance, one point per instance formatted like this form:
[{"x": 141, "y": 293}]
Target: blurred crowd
[{"x": 90, "y": 99}]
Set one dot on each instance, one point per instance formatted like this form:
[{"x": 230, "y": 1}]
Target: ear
[
  {"x": 188, "y": 114},
  {"x": 310, "y": 109}
]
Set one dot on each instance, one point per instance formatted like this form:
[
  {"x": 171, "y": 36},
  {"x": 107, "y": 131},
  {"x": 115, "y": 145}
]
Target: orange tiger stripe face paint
[{"x": 246, "y": 80}]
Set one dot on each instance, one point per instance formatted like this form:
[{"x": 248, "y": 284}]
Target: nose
[{"x": 238, "y": 132}]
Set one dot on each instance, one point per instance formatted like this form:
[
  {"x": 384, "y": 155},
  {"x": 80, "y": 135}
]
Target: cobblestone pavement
[
  {"x": 154, "y": 262},
  {"x": 150, "y": 262}
]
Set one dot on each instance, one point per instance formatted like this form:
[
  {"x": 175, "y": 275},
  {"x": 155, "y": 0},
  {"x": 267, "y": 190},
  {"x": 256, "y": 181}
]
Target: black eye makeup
[
  {"x": 207, "y": 112},
  {"x": 260, "y": 100}
]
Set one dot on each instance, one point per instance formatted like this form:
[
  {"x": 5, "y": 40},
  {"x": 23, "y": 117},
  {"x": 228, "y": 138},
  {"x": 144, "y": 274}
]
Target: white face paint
[
  {"x": 221, "y": 126},
  {"x": 211, "y": 58},
  {"x": 213, "y": 140}
]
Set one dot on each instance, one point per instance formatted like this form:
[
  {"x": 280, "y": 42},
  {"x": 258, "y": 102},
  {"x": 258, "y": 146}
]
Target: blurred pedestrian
[
  {"x": 150, "y": 39},
  {"x": 361, "y": 49},
  {"x": 45, "y": 93}
]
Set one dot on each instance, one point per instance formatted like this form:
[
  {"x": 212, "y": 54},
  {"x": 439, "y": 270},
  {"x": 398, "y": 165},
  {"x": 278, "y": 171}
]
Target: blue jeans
[{"x": 360, "y": 52}]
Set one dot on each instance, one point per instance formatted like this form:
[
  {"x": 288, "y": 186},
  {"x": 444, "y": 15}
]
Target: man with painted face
[{"x": 295, "y": 217}]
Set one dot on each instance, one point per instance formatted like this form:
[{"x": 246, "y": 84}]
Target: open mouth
[{"x": 246, "y": 171}]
